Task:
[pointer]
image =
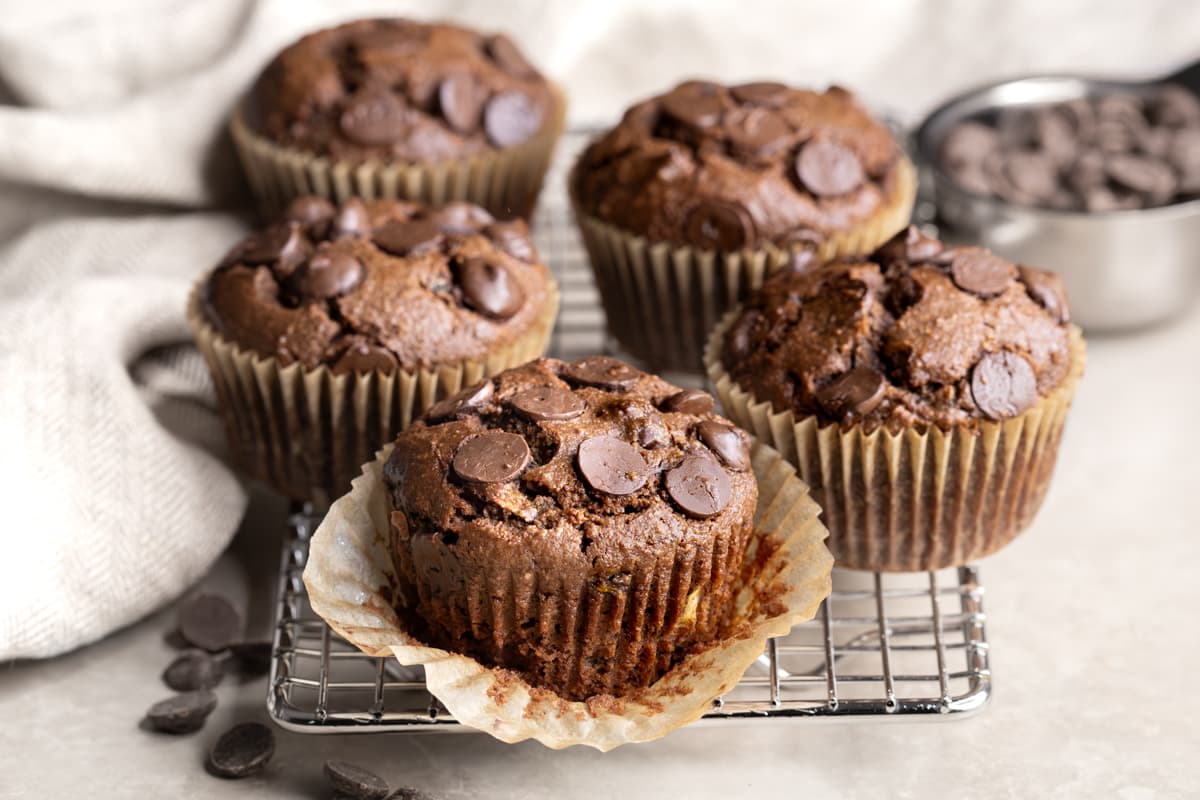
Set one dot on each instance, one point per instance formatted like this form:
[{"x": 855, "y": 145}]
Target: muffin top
[
  {"x": 725, "y": 168},
  {"x": 916, "y": 334},
  {"x": 373, "y": 286},
  {"x": 592, "y": 465},
  {"x": 397, "y": 90}
]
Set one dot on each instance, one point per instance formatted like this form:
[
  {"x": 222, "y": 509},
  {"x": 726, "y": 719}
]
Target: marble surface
[{"x": 1092, "y": 616}]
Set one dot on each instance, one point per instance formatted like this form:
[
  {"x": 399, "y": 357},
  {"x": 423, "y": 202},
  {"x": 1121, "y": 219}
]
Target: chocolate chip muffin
[
  {"x": 328, "y": 331},
  {"x": 396, "y": 108},
  {"x": 921, "y": 391},
  {"x": 698, "y": 194},
  {"x": 581, "y": 524}
]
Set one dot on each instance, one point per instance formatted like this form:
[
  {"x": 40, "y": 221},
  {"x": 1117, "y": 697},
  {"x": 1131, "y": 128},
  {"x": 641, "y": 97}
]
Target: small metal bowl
[{"x": 1123, "y": 269}]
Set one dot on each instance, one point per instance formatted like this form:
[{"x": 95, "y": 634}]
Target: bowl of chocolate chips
[{"x": 1099, "y": 180}]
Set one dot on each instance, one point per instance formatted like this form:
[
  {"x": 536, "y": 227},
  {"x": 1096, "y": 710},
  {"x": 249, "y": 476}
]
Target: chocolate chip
[
  {"x": 282, "y": 242},
  {"x": 761, "y": 93},
  {"x": 1144, "y": 175},
  {"x": 491, "y": 457},
  {"x": 253, "y": 658},
  {"x": 192, "y": 670},
  {"x": 365, "y": 357},
  {"x": 603, "y": 372},
  {"x": 912, "y": 246},
  {"x": 858, "y": 391},
  {"x": 461, "y": 217},
  {"x": 1033, "y": 175},
  {"x": 730, "y": 444},
  {"x": 1176, "y": 107},
  {"x": 328, "y": 273},
  {"x": 489, "y": 288},
  {"x": 756, "y": 132},
  {"x": 242, "y": 751},
  {"x": 980, "y": 272},
  {"x": 827, "y": 168},
  {"x": 351, "y": 780},
  {"x": 352, "y": 219},
  {"x": 513, "y": 238},
  {"x": 698, "y": 486},
  {"x": 718, "y": 225},
  {"x": 209, "y": 622},
  {"x": 738, "y": 339},
  {"x": 310, "y": 211},
  {"x": 508, "y": 57},
  {"x": 373, "y": 117},
  {"x": 1003, "y": 385},
  {"x": 696, "y": 105},
  {"x": 548, "y": 403},
  {"x": 408, "y": 238},
  {"x": 1047, "y": 290},
  {"x": 689, "y": 401},
  {"x": 510, "y": 118},
  {"x": 466, "y": 401},
  {"x": 182, "y": 713},
  {"x": 612, "y": 466},
  {"x": 461, "y": 99},
  {"x": 653, "y": 435}
]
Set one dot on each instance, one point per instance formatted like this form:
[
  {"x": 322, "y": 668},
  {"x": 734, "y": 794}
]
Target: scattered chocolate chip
[
  {"x": 491, "y": 457},
  {"x": 689, "y": 401},
  {"x": 698, "y": 486},
  {"x": 612, "y": 466},
  {"x": 603, "y": 372},
  {"x": 365, "y": 357},
  {"x": 719, "y": 225},
  {"x": 328, "y": 273},
  {"x": 182, "y": 713},
  {"x": 980, "y": 272},
  {"x": 252, "y": 658},
  {"x": 193, "y": 670},
  {"x": 761, "y": 93},
  {"x": 731, "y": 445},
  {"x": 510, "y": 118},
  {"x": 548, "y": 403},
  {"x": 351, "y": 780},
  {"x": 756, "y": 132},
  {"x": 281, "y": 242},
  {"x": 694, "y": 104},
  {"x": 466, "y": 401},
  {"x": 1047, "y": 290},
  {"x": 461, "y": 100},
  {"x": 513, "y": 238},
  {"x": 489, "y": 288},
  {"x": 1003, "y": 385},
  {"x": 209, "y": 622},
  {"x": 352, "y": 219},
  {"x": 309, "y": 210},
  {"x": 508, "y": 57},
  {"x": 827, "y": 168},
  {"x": 407, "y": 238},
  {"x": 373, "y": 117},
  {"x": 461, "y": 218},
  {"x": 242, "y": 751},
  {"x": 653, "y": 435},
  {"x": 858, "y": 391}
]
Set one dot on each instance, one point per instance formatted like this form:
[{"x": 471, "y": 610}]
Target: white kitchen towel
[{"x": 113, "y": 494}]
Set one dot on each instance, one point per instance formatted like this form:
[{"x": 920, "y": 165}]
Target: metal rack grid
[{"x": 883, "y": 644}]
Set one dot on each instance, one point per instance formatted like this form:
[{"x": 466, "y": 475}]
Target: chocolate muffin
[
  {"x": 921, "y": 392},
  {"x": 329, "y": 330},
  {"x": 396, "y": 108},
  {"x": 581, "y": 524},
  {"x": 699, "y": 193}
]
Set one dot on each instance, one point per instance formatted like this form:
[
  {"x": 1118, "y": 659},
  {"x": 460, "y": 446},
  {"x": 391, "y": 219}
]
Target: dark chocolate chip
[
  {"x": 738, "y": 339},
  {"x": 209, "y": 622},
  {"x": 604, "y": 372},
  {"x": 761, "y": 93},
  {"x": 513, "y": 238},
  {"x": 1003, "y": 385},
  {"x": 859, "y": 391},
  {"x": 980, "y": 272},
  {"x": 1033, "y": 175},
  {"x": 1175, "y": 107},
  {"x": 612, "y": 466},
  {"x": 282, "y": 242},
  {"x": 699, "y": 487},
  {"x": 1148, "y": 176},
  {"x": 407, "y": 238},
  {"x": 508, "y": 57},
  {"x": 310, "y": 210},
  {"x": 510, "y": 118},
  {"x": 489, "y": 288},
  {"x": 1047, "y": 290},
  {"x": 491, "y": 457},
  {"x": 653, "y": 435},
  {"x": 352, "y": 219},
  {"x": 730, "y": 444},
  {"x": 912, "y": 246},
  {"x": 365, "y": 357},
  {"x": 328, "y": 273},
  {"x": 252, "y": 658},
  {"x": 374, "y": 117},
  {"x": 461, "y": 100},
  {"x": 351, "y": 780},
  {"x": 968, "y": 143},
  {"x": 756, "y": 132},
  {"x": 719, "y": 225},
  {"x": 242, "y": 751},
  {"x": 689, "y": 401},
  {"x": 467, "y": 401},
  {"x": 182, "y": 713},
  {"x": 461, "y": 217},
  {"x": 548, "y": 403},
  {"x": 696, "y": 105},
  {"x": 827, "y": 168},
  {"x": 192, "y": 670}
]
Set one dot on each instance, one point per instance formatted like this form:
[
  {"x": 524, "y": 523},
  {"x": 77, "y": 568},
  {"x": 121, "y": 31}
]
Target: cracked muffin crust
[{"x": 581, "y": 524}]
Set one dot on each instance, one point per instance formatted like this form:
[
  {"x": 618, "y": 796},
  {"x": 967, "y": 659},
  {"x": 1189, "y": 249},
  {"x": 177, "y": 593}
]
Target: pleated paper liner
[
  {"x": 506, "y": 181},
  {"x": 307, "y": 432},
  {"x": 914, "y": 501},
  {"x": 662, "y": 300},
  {"x": 350, "y": 581}
]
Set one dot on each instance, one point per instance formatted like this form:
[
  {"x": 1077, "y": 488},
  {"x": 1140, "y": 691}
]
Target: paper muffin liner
[
  {"x": 307, "y": 432},
  {"x": 661, "y": 300},
  {"x": 351, "y": 580},
  {"x": 914, "y": 500},
  {"x": 505, "y": 181}
]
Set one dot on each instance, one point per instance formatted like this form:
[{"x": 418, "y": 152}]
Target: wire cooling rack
[{"x": 904, "y": 644}]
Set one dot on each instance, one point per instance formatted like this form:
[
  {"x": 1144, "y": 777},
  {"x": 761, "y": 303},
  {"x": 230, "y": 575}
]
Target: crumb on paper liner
[{"x": 350, "y": 582}]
